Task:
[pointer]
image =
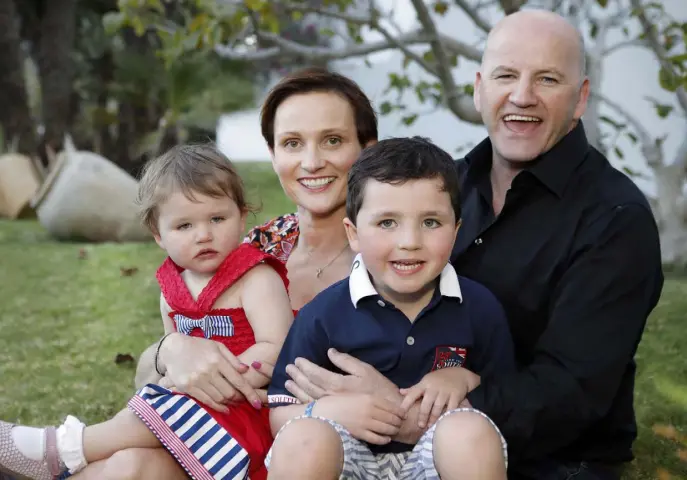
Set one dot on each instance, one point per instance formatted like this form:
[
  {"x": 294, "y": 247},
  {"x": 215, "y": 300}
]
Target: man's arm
[{"x": 597, "y": 316}]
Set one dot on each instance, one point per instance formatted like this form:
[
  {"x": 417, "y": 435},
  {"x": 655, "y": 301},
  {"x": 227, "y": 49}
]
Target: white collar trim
[{"x": 360, "y": 285}]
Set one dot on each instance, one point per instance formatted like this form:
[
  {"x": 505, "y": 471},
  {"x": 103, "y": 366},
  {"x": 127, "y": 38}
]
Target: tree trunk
[
  {"x": 58, "y": 23},
  {"x": 15, "y": 116},
  {"x": 670, "y": 209}
]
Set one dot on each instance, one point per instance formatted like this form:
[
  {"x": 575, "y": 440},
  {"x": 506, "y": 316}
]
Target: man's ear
[{"x": 352, "y": 234}]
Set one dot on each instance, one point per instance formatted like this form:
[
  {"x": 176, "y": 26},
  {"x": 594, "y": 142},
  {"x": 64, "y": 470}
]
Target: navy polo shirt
[{"x": 463, "y": 325}]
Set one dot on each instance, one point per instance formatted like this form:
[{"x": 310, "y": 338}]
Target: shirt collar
[
  {"x": 553, "y": 168},
  {"x": 360, "y": 285}
]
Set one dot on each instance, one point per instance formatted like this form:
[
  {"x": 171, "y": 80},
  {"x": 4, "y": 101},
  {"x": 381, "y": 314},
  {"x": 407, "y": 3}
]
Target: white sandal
[{"x": 13, "y": 462}]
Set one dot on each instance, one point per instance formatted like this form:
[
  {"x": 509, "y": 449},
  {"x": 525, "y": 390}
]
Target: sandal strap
[{"x": 52, "y": 457}]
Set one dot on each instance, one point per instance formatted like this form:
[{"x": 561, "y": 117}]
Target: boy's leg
[
  {"x": 317, "y": 448},
  {"x": 463, "y": 444}
]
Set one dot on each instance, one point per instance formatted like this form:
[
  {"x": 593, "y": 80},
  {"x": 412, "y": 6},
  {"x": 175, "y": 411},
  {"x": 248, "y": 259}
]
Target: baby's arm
[
  {"x": 167, "y": 322},
  {"x": 268, "y": 308}
]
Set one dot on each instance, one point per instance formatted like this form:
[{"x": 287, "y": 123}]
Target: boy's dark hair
[
  {"x": 315, "y": 79},
  {"x": 397, "y": 160},
  {"x": 188, "y": 169}
]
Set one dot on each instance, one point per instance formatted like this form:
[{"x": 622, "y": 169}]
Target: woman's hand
[
  {"x": 311, "y": 382},
  {"x": 206, "y": 370}
]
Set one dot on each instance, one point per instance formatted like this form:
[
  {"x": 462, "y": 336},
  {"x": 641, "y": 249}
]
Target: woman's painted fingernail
[
  {"x": 256, "y": 365},
  {"x": 257, "y": 404}
]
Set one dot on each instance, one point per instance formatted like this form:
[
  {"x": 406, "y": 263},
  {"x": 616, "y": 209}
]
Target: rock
[
  {"x": 19, "y": 182},
  {"x": 87, "y": 197}
]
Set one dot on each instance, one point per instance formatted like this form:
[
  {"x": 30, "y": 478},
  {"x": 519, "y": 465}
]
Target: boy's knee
[
  {"x": 324, "y": 458},
  {"x": 125, "y": 465},
  {"x": 467, "y": 434}
]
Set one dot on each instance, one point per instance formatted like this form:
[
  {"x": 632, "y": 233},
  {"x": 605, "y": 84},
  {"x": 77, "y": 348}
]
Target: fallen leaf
[
  {"x": 128, "y": 271},
  {"x": 666, "y": 431},
  {"x": 124, "y": 358},
  {"x": 663, "y": 474},
  {"x": 83, "y": 254},
  {"x": 682, "y": 455}
]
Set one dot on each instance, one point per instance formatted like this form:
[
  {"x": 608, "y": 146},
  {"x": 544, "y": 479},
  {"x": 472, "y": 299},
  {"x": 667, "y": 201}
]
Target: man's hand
[
  {"x": 442, "y": 390},
  {"x": 369, "y": 418},
  {"x": 206, "y": 370},
  {"x": 311, "y": 382}
]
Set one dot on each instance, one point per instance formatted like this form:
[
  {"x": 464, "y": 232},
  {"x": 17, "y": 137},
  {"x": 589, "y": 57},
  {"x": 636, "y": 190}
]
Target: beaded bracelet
[{"x": 308, "y": 409}]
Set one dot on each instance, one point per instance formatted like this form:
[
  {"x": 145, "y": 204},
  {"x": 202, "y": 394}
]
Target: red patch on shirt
[{"x": 446, "y": 357}]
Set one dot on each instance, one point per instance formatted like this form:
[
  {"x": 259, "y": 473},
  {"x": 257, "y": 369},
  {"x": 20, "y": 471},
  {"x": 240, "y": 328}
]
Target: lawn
[{"x": 73, "y": 312}]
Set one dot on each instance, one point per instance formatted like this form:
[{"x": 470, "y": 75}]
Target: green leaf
[
  {"x": 440, "y": 7},
  {"x": 667, "y": 80},
  {"x": 619, "y": 152},
  {"x": 663, "y": 110},
  {"x": 385, "y": 108},
  {"x": 603, "y": 3},
  {"x": 631, "y": 172},
  {"x": 678, "y": 59},
  {"x": 410, "y": 119},
  {"x": 611, "y": 122},
  {"x": 632, "y": 137},
  {"x": 594, "y": 29},
  {"x": 113, "y": 22},
  {"x": 428, "y": 56}
]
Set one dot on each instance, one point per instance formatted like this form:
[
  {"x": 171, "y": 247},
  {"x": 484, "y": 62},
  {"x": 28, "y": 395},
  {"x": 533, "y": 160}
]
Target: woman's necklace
[{"x": 321, "y": 269}]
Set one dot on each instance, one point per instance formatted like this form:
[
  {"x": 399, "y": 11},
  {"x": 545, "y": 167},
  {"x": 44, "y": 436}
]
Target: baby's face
[{"x": 199, "y": 232}]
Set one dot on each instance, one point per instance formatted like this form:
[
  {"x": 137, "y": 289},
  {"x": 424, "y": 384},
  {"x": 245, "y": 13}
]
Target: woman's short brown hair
[
  {"x": 190, "y": 169},
  {"x": 317, "y": 79}
]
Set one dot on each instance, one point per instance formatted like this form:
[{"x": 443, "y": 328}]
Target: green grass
[{"x": 68, "y": 311}]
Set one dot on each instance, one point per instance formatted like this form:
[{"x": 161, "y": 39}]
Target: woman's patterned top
[{"x": 276, "y": 237}]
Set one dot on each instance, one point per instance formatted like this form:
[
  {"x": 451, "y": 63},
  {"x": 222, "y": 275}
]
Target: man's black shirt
[{"x": 574, "y": 257}]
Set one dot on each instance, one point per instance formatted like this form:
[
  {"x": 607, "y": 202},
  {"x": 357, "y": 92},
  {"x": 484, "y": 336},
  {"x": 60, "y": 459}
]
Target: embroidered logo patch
[{"x": 446, "y": 357}]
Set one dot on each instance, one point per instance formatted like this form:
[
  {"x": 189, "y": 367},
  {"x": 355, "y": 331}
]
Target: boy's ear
[
  {"x": 352, "y": 234},
  {"x": 459, "y": 222}
]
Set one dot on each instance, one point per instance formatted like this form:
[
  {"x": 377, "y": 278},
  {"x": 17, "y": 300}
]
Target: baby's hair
[{"x": 190, "y": 169}]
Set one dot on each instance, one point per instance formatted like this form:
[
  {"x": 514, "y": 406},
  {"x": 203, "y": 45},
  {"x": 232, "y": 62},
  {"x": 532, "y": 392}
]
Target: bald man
[{"x": 570, "y": 247}]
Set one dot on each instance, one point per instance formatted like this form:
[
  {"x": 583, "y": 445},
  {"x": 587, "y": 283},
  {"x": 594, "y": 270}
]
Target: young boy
[{"x": 404, "y": 311}]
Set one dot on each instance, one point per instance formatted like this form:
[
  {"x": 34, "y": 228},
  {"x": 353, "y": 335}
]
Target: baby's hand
[{"x": 441, "y": 391}]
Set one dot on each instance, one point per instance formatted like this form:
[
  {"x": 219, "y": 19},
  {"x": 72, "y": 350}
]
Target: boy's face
[
  {"x": 198, "y": 235},
  {"x": 405, "y": 234}
]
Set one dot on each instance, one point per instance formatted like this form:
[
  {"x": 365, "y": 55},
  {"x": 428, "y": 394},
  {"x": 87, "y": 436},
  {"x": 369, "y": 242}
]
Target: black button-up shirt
[{"x": 574, "y": 257}]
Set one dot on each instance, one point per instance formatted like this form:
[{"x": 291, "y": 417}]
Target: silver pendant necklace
[{"x": 319, "y": 270}]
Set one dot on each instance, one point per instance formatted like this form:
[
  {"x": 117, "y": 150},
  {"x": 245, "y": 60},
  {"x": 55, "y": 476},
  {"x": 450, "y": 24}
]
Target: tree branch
[
  {"x": 474, "y": 15},
  {"x": 659, "y": 51},
  {"x": 455, "y": 101},
  {"x": 635, "y": 42}
]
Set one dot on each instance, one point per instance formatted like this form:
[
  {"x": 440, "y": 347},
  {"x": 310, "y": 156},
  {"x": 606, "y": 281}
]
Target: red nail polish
[
  {"x": 257, "y": 404},
  {"x": 256, "y": 365}
]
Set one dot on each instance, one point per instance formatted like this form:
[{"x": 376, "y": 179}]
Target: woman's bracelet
[{"x": 157, "y": 354}]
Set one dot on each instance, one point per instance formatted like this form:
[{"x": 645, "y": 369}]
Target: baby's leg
[
  {"x": 124, "y": 431},
  {"x": 134, "y": 464}
]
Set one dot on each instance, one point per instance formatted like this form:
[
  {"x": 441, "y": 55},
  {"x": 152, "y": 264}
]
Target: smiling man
[{"x": 569, "y": 246}]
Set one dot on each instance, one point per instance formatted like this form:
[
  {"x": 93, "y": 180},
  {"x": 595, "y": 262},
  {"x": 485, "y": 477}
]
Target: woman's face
[{"x": 315, "y": 144}]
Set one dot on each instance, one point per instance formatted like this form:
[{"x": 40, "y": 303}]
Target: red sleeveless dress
[{"x": 210, "y": 444}]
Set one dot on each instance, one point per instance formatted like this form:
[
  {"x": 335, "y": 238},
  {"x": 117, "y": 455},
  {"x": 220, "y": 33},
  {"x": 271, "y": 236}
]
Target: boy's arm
[
  {"x": 306, "y": 339},
  {"x": 270, "y": 320}
]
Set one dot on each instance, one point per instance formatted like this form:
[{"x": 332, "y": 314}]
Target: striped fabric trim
[
  {"x": 201, "y": 446},
  {"x": 211, "y": 325}
]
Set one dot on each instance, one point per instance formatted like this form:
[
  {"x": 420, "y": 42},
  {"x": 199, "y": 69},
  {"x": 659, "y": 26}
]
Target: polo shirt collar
[
  {"x": 360, "y": 285},
  {"x": 553, "y": 168}
]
